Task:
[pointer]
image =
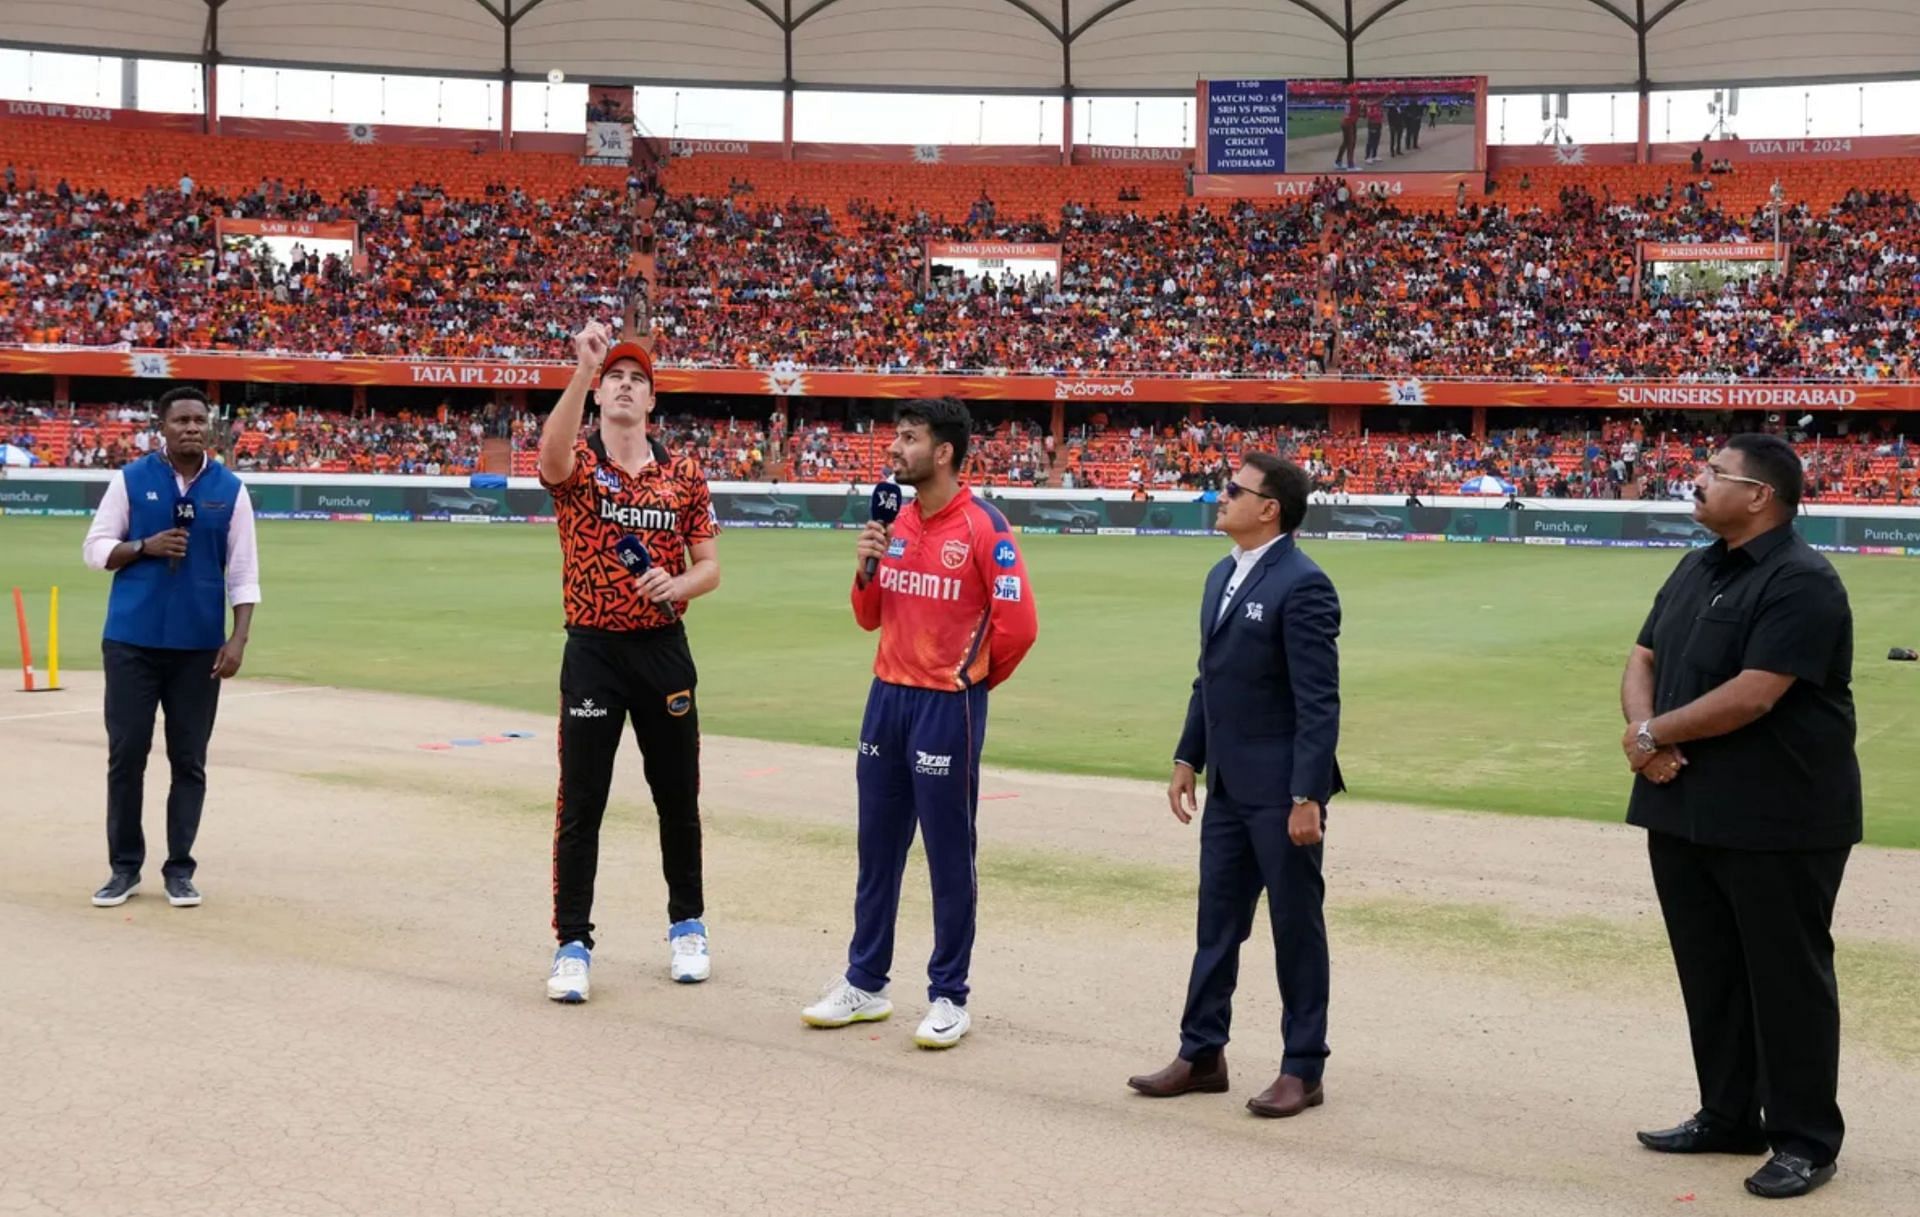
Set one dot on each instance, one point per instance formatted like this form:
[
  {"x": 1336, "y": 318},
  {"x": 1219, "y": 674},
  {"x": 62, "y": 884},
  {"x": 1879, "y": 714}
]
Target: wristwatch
[
  {"x": 1300, "y": 800},
  {"x": 1643, "y": 738}
]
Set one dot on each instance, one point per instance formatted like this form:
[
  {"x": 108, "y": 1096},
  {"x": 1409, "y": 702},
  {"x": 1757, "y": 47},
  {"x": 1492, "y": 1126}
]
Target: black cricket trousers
[
  {"x": 141, "y": 681},
  {"x": 605, "y": 679}
]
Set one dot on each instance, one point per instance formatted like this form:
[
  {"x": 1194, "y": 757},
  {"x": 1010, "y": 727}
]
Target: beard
[{"x": 909, "y": 474}]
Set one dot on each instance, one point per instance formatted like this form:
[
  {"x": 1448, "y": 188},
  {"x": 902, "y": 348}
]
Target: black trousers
[
  {"x": 1245, "y": 851},
  {"x": 141, "y": 680},
  {"x": 1751, "y": 940},
  {"x": 605, "y": 679}
]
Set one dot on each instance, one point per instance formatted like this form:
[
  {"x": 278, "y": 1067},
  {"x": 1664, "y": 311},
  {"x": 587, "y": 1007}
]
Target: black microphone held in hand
[
  {"x": 634, "y": 556},
  {"x": 182, "y": 519},
  {"x": 883, "y": 509}
]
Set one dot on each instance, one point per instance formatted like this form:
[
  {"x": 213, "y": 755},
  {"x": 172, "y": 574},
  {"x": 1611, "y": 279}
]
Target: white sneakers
[
  {"x": 567, "y": 982},
  {"x": 943, "y": 1026},
  {"x": 691, "y": 963},
  {"x": 844, "y": 1004}
]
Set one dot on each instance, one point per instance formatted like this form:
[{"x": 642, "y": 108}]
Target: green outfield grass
[{"x": 1474, "y": 676}]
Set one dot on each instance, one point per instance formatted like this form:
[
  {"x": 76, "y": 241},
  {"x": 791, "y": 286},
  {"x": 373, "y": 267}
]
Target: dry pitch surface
[{"x": 354, "y": 1023}]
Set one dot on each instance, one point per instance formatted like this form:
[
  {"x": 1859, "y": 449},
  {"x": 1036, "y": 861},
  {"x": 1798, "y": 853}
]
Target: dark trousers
[
  {"x": 919, "y": 766},
  {"x": 1244, "y": 851},
  {"x": 1750, "y": 935},
  {"x": 605, "y": 679},
  {"x": 141, "y": 680},
  {"x": 1373, "y": 141}
]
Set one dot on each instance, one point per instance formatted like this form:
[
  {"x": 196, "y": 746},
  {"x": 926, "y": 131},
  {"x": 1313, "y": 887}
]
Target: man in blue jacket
[
  {"x": 176, "y": 529},
  {"x": 1262, "y": 723}
]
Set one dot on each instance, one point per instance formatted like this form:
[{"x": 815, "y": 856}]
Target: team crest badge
[
  {"x": 679, "y": 703},
  {"x": 953, "y": 555}
]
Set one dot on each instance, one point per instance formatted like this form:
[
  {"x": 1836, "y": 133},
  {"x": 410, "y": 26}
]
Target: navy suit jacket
[{"x": 1265, "y": 712}]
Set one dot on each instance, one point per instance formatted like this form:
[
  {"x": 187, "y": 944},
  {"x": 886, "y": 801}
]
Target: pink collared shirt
[{"x": 111, "y": 521}]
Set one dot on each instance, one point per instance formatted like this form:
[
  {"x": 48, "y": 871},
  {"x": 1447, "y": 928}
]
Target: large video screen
[{"x": 1397, "y": 124}]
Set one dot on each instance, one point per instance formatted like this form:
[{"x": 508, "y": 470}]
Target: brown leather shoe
[
  {"x": 1183, "y": 1077},
  {"x": 1288, "y": 1096}
]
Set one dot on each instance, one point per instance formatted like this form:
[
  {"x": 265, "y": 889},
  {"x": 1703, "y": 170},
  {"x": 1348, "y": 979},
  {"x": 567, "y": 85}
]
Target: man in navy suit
[{"x": 1262, "y": 724}]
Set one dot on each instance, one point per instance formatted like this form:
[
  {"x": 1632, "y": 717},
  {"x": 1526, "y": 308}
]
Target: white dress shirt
[
  {"x": 115, "y": 514},
  {"x": 1244, "y": 560}
]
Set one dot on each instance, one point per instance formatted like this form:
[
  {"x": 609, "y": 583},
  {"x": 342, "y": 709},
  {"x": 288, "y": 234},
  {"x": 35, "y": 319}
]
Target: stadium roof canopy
[{"x": 1038, "y": 46}]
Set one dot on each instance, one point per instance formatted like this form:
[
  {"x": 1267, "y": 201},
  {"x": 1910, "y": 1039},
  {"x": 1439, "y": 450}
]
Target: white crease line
[{"x": 14, "y": 718}]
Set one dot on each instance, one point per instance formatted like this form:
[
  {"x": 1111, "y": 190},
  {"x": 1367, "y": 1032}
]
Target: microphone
[
  {"x": 883, "y": 508},
  {"x": 182, "y": 518},
  {"x": 634, "y": 556}
]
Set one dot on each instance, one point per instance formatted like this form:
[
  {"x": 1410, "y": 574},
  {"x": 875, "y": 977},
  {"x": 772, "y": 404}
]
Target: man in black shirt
[{"x": 1740, "y": 730}]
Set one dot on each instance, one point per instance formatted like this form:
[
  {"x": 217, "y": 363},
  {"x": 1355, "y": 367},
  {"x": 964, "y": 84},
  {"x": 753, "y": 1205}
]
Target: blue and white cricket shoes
[
  {"x": 943, "y": 1026},
  {"x": 691, "y": 963},
  {"x": 568, "y": 980}
]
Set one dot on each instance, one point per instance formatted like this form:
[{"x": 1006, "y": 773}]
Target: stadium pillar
[
  {"x": 209, "y": 98},
  {"x": 1057, "y": 426},
  {"x": 130, "y": 83},
  {"x": 1642, "y": 151},
  {"x": 62, "y": 390},
  {"x": 786, "y": 123},
  {"x": 1343, "y": 420},
  {"x": 506, "y": 114},
  {"x": 213, "y": 392},
  {"x": 1480, "y": 422},
  {"x": 1066, "y": 129},
  {"x": 359, "y": 400}
]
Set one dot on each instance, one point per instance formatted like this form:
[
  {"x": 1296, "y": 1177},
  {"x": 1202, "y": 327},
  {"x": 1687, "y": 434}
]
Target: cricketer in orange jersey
[{"x": 637, "y": 543}]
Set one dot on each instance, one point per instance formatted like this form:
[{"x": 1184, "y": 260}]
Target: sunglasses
[{"x": 1235, "y": 490}]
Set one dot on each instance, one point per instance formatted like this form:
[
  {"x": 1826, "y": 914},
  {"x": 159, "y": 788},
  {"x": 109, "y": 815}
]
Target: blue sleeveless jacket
[{"x": 153, "y": 605}]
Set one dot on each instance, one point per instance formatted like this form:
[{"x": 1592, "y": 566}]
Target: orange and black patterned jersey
[{"x": 665, "y": 505}]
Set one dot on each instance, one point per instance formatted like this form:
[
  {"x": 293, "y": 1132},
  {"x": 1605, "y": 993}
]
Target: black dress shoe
[
  {"x": 1786, "y": 1176},
  {"x": 1693, "y": 1137},
  {"x": 117, "y": 889}
]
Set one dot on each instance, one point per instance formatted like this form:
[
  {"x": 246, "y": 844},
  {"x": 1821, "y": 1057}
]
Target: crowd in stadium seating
[
  {"x": 1497, "y": 286},
  {"x": 1611, "y": 458},
  {"x": 1197, "y": 291},
  {"x": 253, "y": 439},
  {"x": 1538, "y": 282},
  {"x": 333, "y": 442},
  {"x": 1648, "y": 457},
  {"x": 1497, "y": 292},
  {"x": 503, "y": 276}
]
